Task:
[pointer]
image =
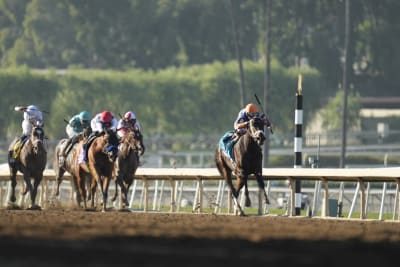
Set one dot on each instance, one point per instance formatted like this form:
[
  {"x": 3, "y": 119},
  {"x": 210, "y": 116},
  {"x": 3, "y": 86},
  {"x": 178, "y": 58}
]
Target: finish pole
[{"x": 298, "y": 140}]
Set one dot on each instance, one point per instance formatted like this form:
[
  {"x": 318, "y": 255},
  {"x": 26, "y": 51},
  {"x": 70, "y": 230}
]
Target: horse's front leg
[
  {"x": 261, "y": 186},
  {"x": 116, "y": 191},
  {"x": 240, "y": 182},
  {"x": 13, "y": 178},
  {"x": 34, "y": 190},
  {"x": 246, "y": 192},
  {"x": 59, "y": 174},
  {"x": 104, "y": 189}
]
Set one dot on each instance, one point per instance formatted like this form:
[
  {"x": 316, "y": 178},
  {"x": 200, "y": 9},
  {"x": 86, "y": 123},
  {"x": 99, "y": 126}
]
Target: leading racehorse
[
  {"x": 131, "y": 146},
  {"x": 31, "y": 163},
  {"x": 247, "y": 160}
]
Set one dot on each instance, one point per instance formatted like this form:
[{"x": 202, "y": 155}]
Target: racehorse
[
  {"x": 130, "y": 147},
  {"x": 247, "y": 160},
  {"x": 102, "y": 154},
  {"x": 69, "y": 165},
  {"x": 31, "y": 163}
]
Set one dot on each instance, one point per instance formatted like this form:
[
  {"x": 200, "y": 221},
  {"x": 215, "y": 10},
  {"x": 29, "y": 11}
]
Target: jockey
[
  {"x": 32, "y": 117},
  {"x": 101, "y": 121},
  {"x": 128, "y": 122},
  {"x": 245, "y": 115},
  {"x": 76, "y": 125}
]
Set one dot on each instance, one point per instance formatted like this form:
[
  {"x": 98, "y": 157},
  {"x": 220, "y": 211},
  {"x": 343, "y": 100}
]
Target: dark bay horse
[
  {"x": 102, "y": 154},
  {"x": 31, "y": 163},
  {"x": 130, "y": 147},
  {"x": 247, "y": 160},
  {"x": 69, "y": 166}
]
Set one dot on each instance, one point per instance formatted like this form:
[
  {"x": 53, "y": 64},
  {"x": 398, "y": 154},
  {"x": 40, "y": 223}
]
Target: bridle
[{"x": 256, "y": 130}]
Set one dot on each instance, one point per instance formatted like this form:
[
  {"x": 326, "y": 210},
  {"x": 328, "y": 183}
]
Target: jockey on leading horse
[
  {"x": 32, "y": 117},
  {"x": 77, "y": 126},
  {"x": 240, "y": 125},
  {"x": 100, "y": 122}
]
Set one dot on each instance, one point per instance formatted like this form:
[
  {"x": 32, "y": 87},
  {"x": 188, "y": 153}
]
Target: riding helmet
[
  {"x": 84, "y": 116},
  {"x": 130, "y": 116},
  {"x": 106, "y": 116},
  {"x": 251, "y": 108}
]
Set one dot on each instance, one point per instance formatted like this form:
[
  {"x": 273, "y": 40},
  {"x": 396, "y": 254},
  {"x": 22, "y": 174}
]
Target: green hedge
[{"x": 199, "y": 99}]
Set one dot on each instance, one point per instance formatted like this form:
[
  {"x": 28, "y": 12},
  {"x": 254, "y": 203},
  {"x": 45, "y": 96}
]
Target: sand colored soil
[{"x": 78, "y": 238}]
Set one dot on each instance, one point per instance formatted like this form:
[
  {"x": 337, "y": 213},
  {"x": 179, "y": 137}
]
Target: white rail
[{"x": 325, "y": 175}]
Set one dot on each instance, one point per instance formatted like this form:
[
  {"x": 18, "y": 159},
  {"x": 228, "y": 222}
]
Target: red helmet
[
  {"x": 106, "y": 117},
  {"x": 130, "y": 116}
]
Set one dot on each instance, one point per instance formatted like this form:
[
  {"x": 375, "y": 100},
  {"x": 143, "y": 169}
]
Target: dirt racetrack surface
[{"x": 79, "y": 238}]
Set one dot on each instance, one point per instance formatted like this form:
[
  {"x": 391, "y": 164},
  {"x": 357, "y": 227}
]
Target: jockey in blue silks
[{"x": 240, "y": 127}]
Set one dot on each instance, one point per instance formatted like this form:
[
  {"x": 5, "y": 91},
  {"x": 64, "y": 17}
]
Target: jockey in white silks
[{"x": 32, "y": 117}]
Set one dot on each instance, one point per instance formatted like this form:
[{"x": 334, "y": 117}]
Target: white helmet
[
  {"x": 32, "y": 108},
  {"x": 130, "y": 116}
]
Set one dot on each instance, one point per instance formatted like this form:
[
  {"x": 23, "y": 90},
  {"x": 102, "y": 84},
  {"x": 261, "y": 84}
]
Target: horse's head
[
  {"x": 111, "y": 145},
  {"x": 37, "y": 139},
  {"x": 256, "y": 130},
  {"x": 133, "y": 139}
]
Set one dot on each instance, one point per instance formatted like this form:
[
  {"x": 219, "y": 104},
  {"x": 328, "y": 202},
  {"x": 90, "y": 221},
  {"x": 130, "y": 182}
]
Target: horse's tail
[{"x": 218, "y": 160}]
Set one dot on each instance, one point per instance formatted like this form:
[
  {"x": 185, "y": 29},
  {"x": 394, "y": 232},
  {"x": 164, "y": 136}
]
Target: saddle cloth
[
  {"x": 18, "y": 147},
  {"x": 226, "y": 144}
]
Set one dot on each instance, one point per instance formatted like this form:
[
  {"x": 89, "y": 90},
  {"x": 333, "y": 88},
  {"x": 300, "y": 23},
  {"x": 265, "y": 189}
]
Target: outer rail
[{"x": 325, "y": 175}]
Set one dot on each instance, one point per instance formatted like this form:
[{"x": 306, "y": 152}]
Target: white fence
[{"x": 362, "y": 176}]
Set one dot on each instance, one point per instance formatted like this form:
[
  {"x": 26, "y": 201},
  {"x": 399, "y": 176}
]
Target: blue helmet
[{"x": 84, "y": 116}]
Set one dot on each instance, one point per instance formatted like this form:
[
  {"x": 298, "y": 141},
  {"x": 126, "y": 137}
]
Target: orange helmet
[
  {"x": 251, "y": 108},
  {"x": 106, "y": 116}
]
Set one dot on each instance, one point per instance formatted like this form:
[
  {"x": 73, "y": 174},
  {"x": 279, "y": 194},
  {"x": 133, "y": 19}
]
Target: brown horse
[
  {"x": 247, "y": 160},
  {"x": 31, "y": 163},
  {"x": 69, "y": 166},
  {"x": 102, "y": 153},
  {"x": 131, "y": 146}
]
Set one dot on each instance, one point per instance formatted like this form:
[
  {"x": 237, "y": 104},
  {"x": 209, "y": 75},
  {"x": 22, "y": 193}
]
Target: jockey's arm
[{"x": 241, "y": 124}]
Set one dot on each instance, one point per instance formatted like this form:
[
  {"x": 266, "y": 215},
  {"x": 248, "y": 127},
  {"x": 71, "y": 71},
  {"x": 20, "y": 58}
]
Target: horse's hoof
[
  {"x": 13, "y": 206},
  {"x": 35, "y": 207},
  {"x": 124, "y": 210}
]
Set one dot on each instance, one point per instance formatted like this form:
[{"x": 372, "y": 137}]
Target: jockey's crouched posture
[
  {"x": 100, "y": 122},
  {"x": 130, "y": 123},
  {"x": 243, "y": 119},
  {"x": 240, "y": 125},
  {"x": 32, "y": 117},
  {"x": 77, "y": 128}
]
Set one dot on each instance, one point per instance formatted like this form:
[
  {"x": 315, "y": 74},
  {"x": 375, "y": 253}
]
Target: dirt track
[{"x": 65, "y": 238}]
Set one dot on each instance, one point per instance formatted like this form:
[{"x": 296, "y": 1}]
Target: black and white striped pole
[{"x": 298, "y": 140}]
